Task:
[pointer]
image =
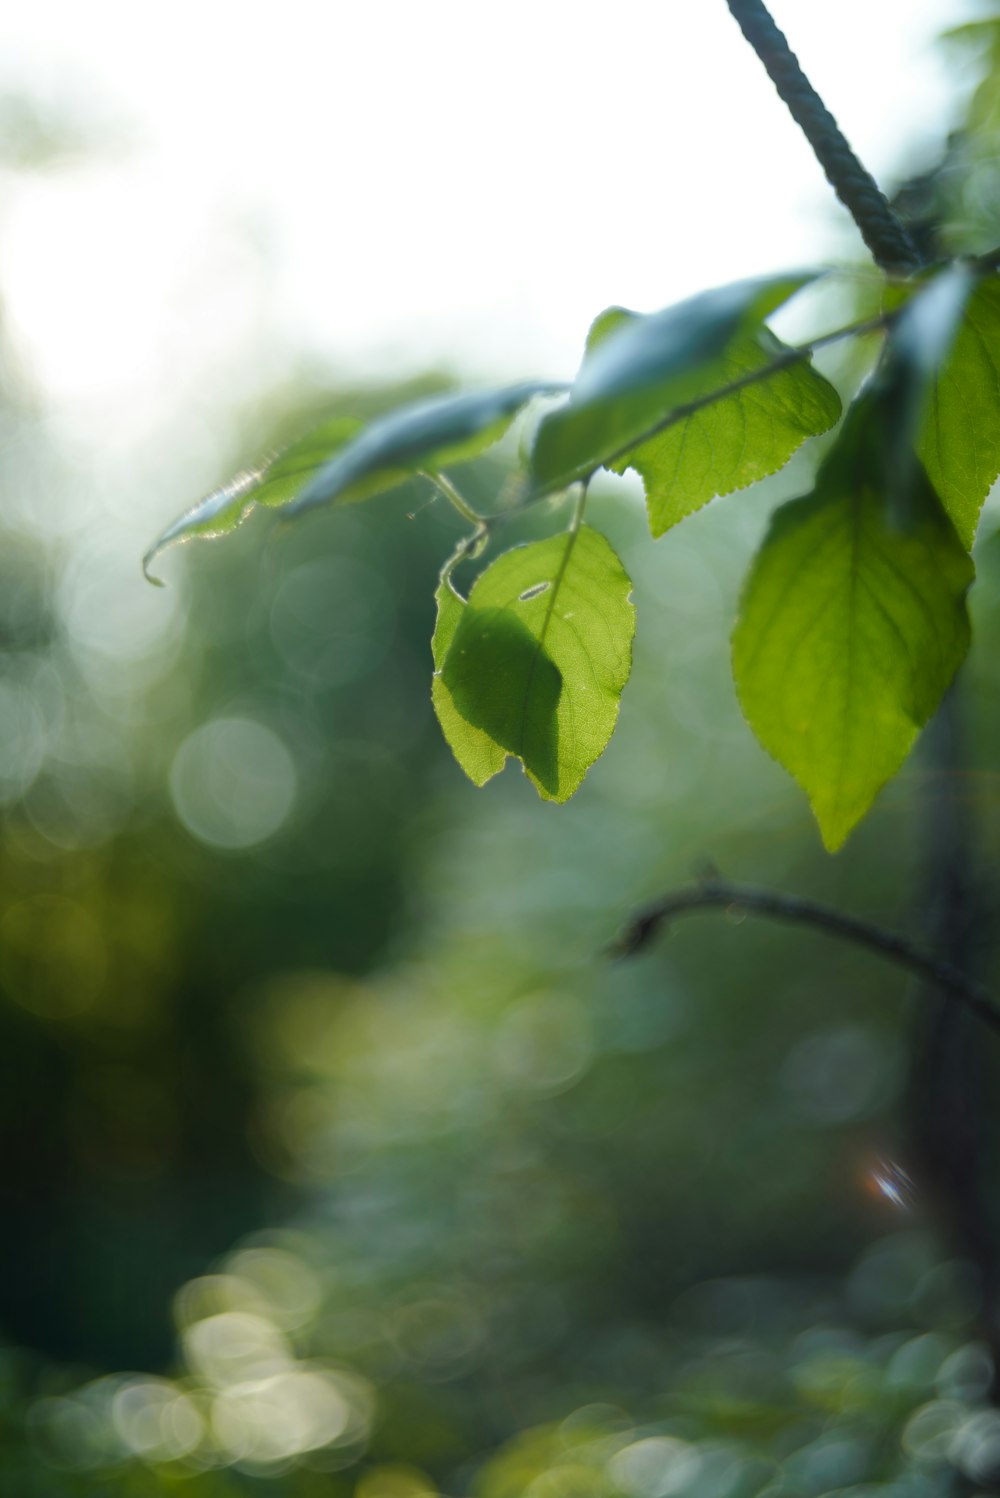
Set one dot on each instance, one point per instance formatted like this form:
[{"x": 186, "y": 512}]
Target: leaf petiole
[
  {"x": 446, "y": 488},
  {"x": 468, "y": 548}
]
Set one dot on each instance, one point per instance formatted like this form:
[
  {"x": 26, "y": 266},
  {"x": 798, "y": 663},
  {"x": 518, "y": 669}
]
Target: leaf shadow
[{"x": 502, "y": 681}]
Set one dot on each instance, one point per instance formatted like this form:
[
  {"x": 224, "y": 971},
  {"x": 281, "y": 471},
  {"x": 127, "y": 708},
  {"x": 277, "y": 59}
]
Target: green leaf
[
  {"x": 850, "y": 629},
  {"x": 535, "y": 662},
  {"x": 960, "y": 442},
  {"x": 475, "y": 751},
  {"x": 734, "y": 441},
  {"x": 274, "y": 483},
  {"x": 633, "y": 379},
  {"x": 926, "y": 315},
  {"x": 343, "y": 461},
  {"x": 424, "y": 435}
]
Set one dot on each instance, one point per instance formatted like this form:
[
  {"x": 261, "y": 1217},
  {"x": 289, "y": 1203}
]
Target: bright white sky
[{"x": 395, "y": 184}]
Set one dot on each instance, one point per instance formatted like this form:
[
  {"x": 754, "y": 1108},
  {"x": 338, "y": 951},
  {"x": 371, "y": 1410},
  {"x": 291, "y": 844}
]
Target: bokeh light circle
[{"x": 233, "y": 783}]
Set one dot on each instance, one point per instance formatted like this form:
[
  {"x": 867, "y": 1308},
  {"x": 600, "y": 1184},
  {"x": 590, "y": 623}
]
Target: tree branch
[
  {"x": 720, "y": 894},
  {"x": 883, "y": 233}
]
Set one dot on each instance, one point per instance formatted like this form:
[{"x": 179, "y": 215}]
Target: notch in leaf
[
  {"x": 535, "y": 662},
  {"x": 637, "y": 375}
]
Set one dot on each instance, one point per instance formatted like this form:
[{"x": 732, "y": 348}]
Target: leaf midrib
[{"x": 557, "y": 582}]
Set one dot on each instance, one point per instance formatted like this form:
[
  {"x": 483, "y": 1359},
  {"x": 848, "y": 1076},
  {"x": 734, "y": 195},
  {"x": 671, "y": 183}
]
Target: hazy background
[{"x": 336, "y": 1158}]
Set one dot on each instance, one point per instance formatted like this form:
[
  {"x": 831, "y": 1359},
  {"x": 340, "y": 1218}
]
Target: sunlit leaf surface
[
  {"x": 537, "y": 661},
  {"x": 731, "y": 442},
  {"x": 960, "y": 442},
  {"x": 634, "y": 377},
  {"x": 850, "y": 629},
  {"x": 344, "y": 461},
  {"x": 424, "y": 435},
  {"x": 479, "y": 756},
  {"x": 273, "y": 484}
]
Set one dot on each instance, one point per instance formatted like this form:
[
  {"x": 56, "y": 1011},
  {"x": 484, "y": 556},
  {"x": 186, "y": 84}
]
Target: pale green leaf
[
  {"x": 850, "y": 629},
  {"x": 538, "y": 659},
  {"x": 424, "y": 435},
  {"x": 732, "y": 442},
  {"x": 960, "y": 442},
  {"x": 648, "y": 366},
  {"x": 272, "y": 484}
]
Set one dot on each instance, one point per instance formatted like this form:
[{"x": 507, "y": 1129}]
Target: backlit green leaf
[
  {"x": 737, "y": 440},
  {"x": 475, "y": 751},
  {"x": 537, "y": 660},
  {"x": 274, "y": 483},
  {"x": 926, "y": 315},
  {"x": 960, "y": 442},
  {"x": 850, "y": 628},
  {"x": 427, "y": 434},
  {"x": 649, "y": 365}
]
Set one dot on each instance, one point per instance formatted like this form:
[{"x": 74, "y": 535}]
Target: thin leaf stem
[
  {"x": 468, "y": 548},
  {"x": 579, "y": 508},
  {"x": 714, "y": 893},
  {"x": 445, "y": 487},
  {"x": 883, "y": 233}
]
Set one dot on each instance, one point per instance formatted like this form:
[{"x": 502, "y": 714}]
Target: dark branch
[
  {"x": 881, "y": 230},
  {"x": 719, "y": 894}
]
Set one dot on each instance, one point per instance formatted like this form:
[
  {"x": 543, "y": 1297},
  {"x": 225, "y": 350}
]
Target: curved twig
[{"x": 720, "y": 894}]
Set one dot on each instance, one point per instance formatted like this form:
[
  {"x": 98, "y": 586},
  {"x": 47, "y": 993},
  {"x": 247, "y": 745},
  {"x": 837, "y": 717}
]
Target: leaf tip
[
  {"x": 147, "y": 562},
  {"x": 559, "y": 795},
  {"x": 834, "y": 835}
]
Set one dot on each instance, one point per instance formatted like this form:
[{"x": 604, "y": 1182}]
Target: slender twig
[
  {"x": 720, "y": 894},
  {"x": 882, "y": 231}
]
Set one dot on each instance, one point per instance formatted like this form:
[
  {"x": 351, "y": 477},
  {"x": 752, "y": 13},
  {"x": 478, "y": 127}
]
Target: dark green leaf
[
  {"x": 960, "y": 442},
  {"x": 272, "y": 484},
  {"x": 850, "y": 629},
  {"x": 425, "y": 435},
  {"x": 537, "y": 660},
  {"x": 737, "y": 440},
  {"x": 635, "y": 377}
]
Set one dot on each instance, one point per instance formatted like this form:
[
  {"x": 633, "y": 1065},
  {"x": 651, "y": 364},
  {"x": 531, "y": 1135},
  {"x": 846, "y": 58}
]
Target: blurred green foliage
[{"x": 337, "y": 1158}]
